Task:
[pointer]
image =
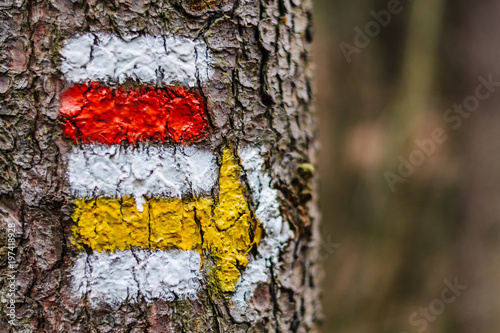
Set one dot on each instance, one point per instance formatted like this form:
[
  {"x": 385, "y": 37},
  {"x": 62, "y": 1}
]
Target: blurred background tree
[{"x": 394, "y": 249}]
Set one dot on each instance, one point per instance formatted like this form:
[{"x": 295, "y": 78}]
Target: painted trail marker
[
  {"x": 96, "y": 113},
  {"x": 171, "y": 60},
  {"x": 141, "y": 171},
  {"x": 158, "y": 213}
]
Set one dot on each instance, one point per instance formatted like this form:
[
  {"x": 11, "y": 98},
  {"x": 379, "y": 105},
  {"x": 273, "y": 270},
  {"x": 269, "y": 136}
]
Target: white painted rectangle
[
  {"x": 173, "y": 60},
  {"x": 141, "y": 171},
  {"x": 114, "y": 278}
]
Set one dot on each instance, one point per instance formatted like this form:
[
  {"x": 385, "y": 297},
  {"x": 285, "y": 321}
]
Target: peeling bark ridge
[{"x": 151, "y": 157}]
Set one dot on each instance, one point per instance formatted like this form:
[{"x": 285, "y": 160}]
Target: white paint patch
[
  {"x": 148, "y": 59},
  {"x": 125, "y": 276},
  {"x": 141, "y": 171},
  {"x": 266, "y": 199},
  {"x": 277, "y": 232}
]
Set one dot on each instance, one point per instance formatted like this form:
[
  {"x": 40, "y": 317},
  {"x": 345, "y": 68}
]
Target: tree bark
[{"x": 258, "y": 95}]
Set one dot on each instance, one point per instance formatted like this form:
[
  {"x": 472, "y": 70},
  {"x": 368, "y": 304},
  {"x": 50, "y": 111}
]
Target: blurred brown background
[{"x": 390, "y": 255}]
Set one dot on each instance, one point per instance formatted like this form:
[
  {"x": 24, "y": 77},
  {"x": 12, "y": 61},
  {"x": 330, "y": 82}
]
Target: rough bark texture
[{"x": 260, "y": 94}]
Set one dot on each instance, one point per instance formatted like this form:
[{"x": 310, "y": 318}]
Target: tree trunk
[{"x": 216, "y": 95}]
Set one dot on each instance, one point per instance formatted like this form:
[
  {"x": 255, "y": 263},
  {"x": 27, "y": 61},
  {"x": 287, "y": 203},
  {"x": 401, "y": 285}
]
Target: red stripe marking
[{"x": 101, "y": 114}]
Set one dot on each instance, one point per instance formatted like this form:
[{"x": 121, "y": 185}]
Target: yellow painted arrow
[{"x": 224, "y": 226}]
